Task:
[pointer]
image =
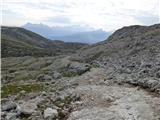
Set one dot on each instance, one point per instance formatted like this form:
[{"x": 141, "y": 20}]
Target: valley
[{"x": 116, "y": 79}]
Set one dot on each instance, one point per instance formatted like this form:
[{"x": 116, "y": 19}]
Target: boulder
[
  {"x": 50, "y": 113},
  {"x": 79, "y": 68}
]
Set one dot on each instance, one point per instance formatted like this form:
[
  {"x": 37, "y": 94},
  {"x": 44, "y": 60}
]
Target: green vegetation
[
  {"x": 12, "y": 89},
  {"x": 63, "y": 102},
  {"x": 95, "y": 65},
  {"x": 62, "y": 115},
  {"x": 69, "y": 74},
  {"x": 26, "y": 75},
  {"x": 22, "y": 76}
]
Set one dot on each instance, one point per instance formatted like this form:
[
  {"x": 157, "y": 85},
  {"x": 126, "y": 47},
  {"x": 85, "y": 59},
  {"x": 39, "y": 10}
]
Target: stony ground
[
  {"x": 103, "y": 100},
  {"x": 86, "y": 96}
]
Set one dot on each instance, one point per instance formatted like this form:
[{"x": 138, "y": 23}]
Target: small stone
[
  {"x": 57, "y": 75},
  {"x": 128, "y": 107},
  {"x": 92, "y": 98},
  {"x": 22, "y": 92},
  {"x": 108, "y": 98},
  {"x": 130, "y": 113},
  {"x": 44, "y": 93},
  {"x": 47, "y": 77},
  {"x": 27, "y": 108},
  {"x": 50, "y": 113}
]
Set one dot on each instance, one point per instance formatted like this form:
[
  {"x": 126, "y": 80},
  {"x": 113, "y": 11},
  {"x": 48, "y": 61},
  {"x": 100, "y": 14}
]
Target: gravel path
[{"x": 113, "y": 102}]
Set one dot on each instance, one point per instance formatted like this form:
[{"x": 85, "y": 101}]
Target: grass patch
[
  {"x": 14, "y": 89},
  {"x": 22, "y": 77},
  {"x": 26, "y": 75},
  {"x": 69, "y": 74},
  {"x": 63, "y": 102}
]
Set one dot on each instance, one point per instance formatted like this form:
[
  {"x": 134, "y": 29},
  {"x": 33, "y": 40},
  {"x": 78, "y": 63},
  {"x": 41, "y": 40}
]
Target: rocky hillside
[
  {"x": 131, "y": 54},
  {"x": 21, "y": 42}
]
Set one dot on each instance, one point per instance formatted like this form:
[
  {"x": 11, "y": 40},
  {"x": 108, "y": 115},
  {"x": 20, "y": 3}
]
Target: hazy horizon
[{"x": 98, "y": 14}]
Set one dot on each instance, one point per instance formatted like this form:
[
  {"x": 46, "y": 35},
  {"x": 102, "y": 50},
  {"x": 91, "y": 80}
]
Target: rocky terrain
[{"x": 117, "y": 79}]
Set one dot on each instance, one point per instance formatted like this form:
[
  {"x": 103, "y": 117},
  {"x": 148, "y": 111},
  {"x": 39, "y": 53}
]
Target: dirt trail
[{"x": 101, "y": 100}]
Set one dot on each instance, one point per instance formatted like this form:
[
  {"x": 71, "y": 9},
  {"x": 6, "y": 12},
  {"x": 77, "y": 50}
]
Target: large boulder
[
  {"x": 75, "y": 68},
  {"x": 80, "y": 68}
]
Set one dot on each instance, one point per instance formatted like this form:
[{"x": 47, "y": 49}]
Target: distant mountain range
[{"x": 83, "y": 34}]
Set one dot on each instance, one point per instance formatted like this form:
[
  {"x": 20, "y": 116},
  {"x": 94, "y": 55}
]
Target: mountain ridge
[
  {"x": 89, "y": 37},
  {"x": 77, "y": 33},
  {"x": 18, "y": 41}
]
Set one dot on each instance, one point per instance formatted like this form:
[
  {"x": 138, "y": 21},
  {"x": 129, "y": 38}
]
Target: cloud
[
  {"x": 105, "y": 14},
  {"x": 59, "y": 20},
  {"x": 146, "y": 18}
]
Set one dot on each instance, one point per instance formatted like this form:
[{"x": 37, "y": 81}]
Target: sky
[{"x": 108, "y": 15}]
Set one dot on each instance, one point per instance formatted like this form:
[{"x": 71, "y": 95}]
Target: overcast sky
[{"x": 106, "y": 14}]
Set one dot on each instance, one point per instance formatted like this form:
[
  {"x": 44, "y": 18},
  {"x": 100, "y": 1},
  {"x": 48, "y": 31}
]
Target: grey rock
[
  {"x": 9, "y": 106},
  {"x": 50, "y": 113},
  {"x": 152, "y": 83},
  {"x": 40, "y": 77},
  {"x": 79, "y": 68},
  {"x": 27, "y": 108},
  {"x": 11, "y": 116},
  {"x": 44, "y": 93},
  {"x": 56, "y": 75},
  {"x": 47, "y": 77},
  {"x": 142, "y": 82}
]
